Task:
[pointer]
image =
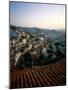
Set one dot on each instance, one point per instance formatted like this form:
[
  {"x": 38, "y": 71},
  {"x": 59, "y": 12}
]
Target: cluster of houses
[{"x": 26, "y": 46}]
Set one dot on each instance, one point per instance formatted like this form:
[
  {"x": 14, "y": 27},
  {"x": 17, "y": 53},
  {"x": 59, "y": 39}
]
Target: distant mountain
[
  {"x": 29, "y": 29},
  {"x": 50, "y": 33}
]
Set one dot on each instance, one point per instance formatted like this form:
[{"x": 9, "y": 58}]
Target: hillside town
[{"x": 34, "y": 48}]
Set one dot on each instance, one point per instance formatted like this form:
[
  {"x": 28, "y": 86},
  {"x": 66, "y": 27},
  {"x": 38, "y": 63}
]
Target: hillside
[{"x": 39, "y": 76}]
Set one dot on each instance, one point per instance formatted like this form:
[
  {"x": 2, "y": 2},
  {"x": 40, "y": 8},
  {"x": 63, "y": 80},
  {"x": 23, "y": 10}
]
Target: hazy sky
[{"x": 37, "y": 15}]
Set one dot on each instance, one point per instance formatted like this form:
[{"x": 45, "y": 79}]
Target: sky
[{"x": 48, "y": 16}]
